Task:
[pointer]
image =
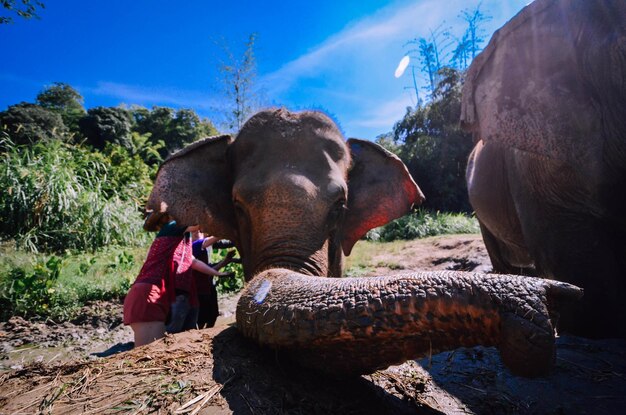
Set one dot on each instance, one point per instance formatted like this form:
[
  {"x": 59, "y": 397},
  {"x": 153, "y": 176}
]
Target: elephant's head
[
  {"x": 294, "y": 196},
  {"x": 288, "y": 191}
]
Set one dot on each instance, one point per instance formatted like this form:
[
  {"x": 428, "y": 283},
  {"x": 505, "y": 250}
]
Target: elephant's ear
[
  {"x": 380, "y": 189},
  {"x": 194, "y": 187}
]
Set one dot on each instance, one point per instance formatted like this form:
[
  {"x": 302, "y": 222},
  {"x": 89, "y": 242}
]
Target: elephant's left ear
[
  {"x": 193, "y": 186},
  {"x": 380, "y": 189}
]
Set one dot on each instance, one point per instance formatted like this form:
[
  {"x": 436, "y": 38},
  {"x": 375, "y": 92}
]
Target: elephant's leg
[
  {"x": 490, "y": 195},
  {"x": 587, "y": 256},
  {"x": 570, "y": 242},
  {"x": 499, "y": 260}
]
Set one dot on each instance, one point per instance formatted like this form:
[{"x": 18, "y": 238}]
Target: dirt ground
[{"x": 86, "y": 366}]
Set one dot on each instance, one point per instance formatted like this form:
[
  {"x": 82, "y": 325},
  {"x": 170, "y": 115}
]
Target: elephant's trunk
[{"x": 358, "y": 325}]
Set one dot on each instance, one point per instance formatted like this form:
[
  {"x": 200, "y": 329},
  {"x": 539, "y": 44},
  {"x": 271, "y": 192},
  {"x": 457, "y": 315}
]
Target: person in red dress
[{"x": 168, "y": 266}]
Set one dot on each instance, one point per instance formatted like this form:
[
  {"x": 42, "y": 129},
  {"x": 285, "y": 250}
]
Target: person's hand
[
  {"x": 226, "y": 274},
  {"x": 208, "y": 241},
  {"x": 230, "y": 254}
]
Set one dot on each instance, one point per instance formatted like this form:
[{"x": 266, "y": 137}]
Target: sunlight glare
[{"x": 404, "y": 62}]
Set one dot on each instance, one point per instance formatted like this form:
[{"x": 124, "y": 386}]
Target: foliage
[
  {"x": 58, "y": 197},
  {"x": 431, "y": 52},
  {"x": 434, "y": 51},
  {"x": 30, "y": 123},
  {"x": 148, "y": 150},
  {"x": 104, "y": 125},
  {"x": 475, "y": 33},
  {"x": 233, "y": 283},
  {"x": 422, "y": 224},
  {"x": 64, "y": 283},
  {"x": 30, "y": 293},
  {"x": 430, "y": 142},
  {"x": 104, "y": 275},
  {"x": 128, "y": 176},
  {"x": 26, "y": 9},
  {"x": 64, "y": 100},
  {"x": 169, "y": 129},
  {"x": 238, "y": 76}
]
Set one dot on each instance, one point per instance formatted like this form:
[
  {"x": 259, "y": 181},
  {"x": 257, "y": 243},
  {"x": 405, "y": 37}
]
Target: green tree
[
  {"x": 104, "y": 125},
  {"x": 461, "y": 55},
  {"x": 475, "y": 33},
  {"x": 29, "y": 123},
  {"x": 238, "y": 77},
  {"x": 431, "y": 52},
  {"x": 26, "y": 9},
  {"x": 174, "y": 129},
  {"x": 434, "y": 148},
  {"x": 147, "y": 150},
  {"x": 66, "y": 101},
  {"x": 442, "y": 48}
]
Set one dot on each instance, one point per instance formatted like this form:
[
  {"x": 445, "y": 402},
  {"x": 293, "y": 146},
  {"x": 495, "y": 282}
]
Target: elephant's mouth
[{"x": 296, "y": 263}]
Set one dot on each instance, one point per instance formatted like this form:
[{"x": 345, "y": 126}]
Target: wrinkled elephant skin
[
  {"x": 295, "y": 197},
  {"x": 546, "y": 101}
]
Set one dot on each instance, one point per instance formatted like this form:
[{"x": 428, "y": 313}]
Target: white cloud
[
  {"x": 351, "y": 74},
  {"x": 363, "y": 41},
  {"x": 153, "y": 95}
]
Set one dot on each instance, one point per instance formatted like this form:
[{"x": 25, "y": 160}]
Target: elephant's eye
[{"x": 337, "y": 212}]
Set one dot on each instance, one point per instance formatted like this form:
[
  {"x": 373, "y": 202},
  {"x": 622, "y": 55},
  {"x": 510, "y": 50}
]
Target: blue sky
[{"x": 339, "y": 56}]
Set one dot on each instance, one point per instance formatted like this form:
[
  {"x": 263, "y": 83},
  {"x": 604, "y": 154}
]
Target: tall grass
[
  {"x": 53, "y": 286},
  {"x": 58, "y": 197},
  {"x": 424, "y": 223},
  {"x": 42, "y": 286}
]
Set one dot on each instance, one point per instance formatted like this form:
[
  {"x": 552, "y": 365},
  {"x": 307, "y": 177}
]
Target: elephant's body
[
  {"x": 546, "y": 101},
  {"x": 294, "y": 196}
]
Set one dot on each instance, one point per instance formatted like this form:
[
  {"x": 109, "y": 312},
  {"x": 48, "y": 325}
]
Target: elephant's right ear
[{"x": 193, "y": 186}]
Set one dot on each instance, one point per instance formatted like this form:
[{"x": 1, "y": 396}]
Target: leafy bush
[
  {"x": 57, "y": 287},
  {"x": 31, "y": 293},
  {"x": 422, "y": 224},
  {"x": 228, "y": 284},
  {"x": 58, "y": 197}
]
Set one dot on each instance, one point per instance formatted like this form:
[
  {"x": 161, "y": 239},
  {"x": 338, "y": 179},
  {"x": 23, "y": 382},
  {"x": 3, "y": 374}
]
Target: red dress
[{"x": 166, "y": 269}]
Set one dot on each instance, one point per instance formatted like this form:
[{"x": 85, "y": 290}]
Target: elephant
[
  {"x": 546, "y": 104},
  {"x": 294, "y": 197}
]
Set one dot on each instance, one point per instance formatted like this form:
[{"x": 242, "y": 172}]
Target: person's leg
[
  {"x": 213, "y": 308},
  {"x": 204, "y": 314},
  {"x": 191, "y": 321},
  {"x": 145, "y": 313},
  {"x": 178, "y": 314},
  {"x": 147, "y": 332}
]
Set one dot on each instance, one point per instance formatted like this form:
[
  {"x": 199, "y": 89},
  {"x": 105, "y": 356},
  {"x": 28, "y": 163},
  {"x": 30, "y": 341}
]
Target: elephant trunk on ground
[{"x": 353, "y": 326}]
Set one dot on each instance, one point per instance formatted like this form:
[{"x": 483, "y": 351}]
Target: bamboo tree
[
  {"x": 238, "y": 78},
  {"x": 475, "y": 33}
]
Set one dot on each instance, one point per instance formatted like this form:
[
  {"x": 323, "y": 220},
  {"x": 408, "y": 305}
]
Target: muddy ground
[{"x": 85, "y": 366}]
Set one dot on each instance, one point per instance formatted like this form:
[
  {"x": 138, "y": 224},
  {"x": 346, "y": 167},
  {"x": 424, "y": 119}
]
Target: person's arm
[
  {"x": 200, "y": 266},
  {"x": 209, "y": 241},
  {"x": 227, "y": 260}
]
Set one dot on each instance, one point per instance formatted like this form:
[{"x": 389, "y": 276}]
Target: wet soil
[{"x": 77, "y": 367}]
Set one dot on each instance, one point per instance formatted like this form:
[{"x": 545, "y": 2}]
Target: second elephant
[{"x": 546, "y": 101}]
